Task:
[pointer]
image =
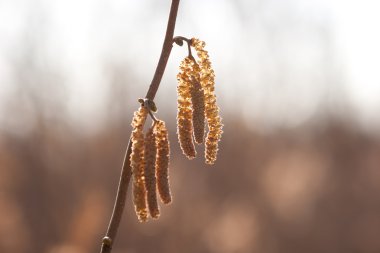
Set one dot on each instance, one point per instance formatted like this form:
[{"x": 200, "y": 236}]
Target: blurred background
[{"x": 299, "y": 91}]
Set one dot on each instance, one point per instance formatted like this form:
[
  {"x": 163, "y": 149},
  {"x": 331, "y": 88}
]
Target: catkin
[
  {"x": 150, "y": 173},
  {"x": 214, "y": 121},
  {"x": 137, "y": 164},
  {"x": 185, "y": 110},
  {"x": 162, "y": 161},
  {"x": 198, "y": 103}
]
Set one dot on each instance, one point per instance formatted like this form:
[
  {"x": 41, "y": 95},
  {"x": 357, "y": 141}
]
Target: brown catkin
[
  {"x": 214, "y": 121},
  {"x": 150, "y": 173},
  {"x": 162, "y": 161},
  {"x": 185, "y": 110},
  {"x": 198, "y": 103},
  {"x": 138, "y": 163}
]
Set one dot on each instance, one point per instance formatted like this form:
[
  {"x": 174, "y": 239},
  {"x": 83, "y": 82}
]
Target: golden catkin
[
  {"x": 198, "y": 102},
  {"x": 162, "y": 161},
  {"x": 214, "y": 121},
  {"x": 137, "y": 164},
  {"x": 150, "y": 173},
  {"x": 185, "y": 110}
]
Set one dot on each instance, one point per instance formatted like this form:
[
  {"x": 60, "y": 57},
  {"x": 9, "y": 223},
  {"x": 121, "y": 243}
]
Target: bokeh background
[{"x": 299, "y": 91}]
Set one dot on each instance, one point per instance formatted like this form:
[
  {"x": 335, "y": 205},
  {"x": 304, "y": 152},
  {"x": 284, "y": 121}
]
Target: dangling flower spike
[{"x": 146, "y": 162}]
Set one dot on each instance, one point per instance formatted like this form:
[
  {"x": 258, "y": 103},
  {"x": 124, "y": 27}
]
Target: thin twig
[
  {"x": 126, "y": 170},
  {"x": 165, "y": 53}
]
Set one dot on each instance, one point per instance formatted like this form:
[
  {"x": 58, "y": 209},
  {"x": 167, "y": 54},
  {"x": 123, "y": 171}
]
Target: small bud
[{"x": 107, "y": 241}]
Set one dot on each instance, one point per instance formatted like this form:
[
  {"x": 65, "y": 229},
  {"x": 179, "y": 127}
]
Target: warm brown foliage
[{"x": 313, "y": 190}]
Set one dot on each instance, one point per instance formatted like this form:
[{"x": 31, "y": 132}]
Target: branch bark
[{"x": 126, "y": 170}]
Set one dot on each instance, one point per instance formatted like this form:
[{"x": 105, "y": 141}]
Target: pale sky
[{"x": 275, "y": 51}]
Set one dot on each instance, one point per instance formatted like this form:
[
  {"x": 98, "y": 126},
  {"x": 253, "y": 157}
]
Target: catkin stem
[{"x": 179, "y": 41}]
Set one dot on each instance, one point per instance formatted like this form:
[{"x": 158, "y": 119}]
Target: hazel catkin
[
  {"x": 185, "y": 110},
  {"x": 198, "y": 103},
  {"x": 162, "y": 161},
  {"x": 150, "y": 173},
  {"x": 137, "y": 164},
  {"x": 214, "y": 121}
]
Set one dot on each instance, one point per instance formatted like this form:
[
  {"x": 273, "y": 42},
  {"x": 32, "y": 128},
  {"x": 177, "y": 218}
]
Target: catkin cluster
[
  {"x": 150, "y": 166},
  {"x": 197, "y": 102},
  {"x": 150, "y": 152}
]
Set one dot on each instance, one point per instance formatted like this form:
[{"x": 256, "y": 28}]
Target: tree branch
[
  {"x": 126, "y": 170},
  {"x": 165, "y": 53}
]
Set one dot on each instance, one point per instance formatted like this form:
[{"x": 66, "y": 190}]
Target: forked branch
[
  {"x": 126, "y": 171},
  {"x": 179, "y": 41}
]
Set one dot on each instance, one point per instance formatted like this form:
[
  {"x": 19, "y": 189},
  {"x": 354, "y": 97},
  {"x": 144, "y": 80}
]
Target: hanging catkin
[
  {"x": 198, "y": 104},
  {"x": 150, "y": 173},
  {"x": 185, "y": 111},
  {"x": 162, "y": 161},
  {"x": 214, "y": 121},
  {"x": 137, "y": 164}
]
